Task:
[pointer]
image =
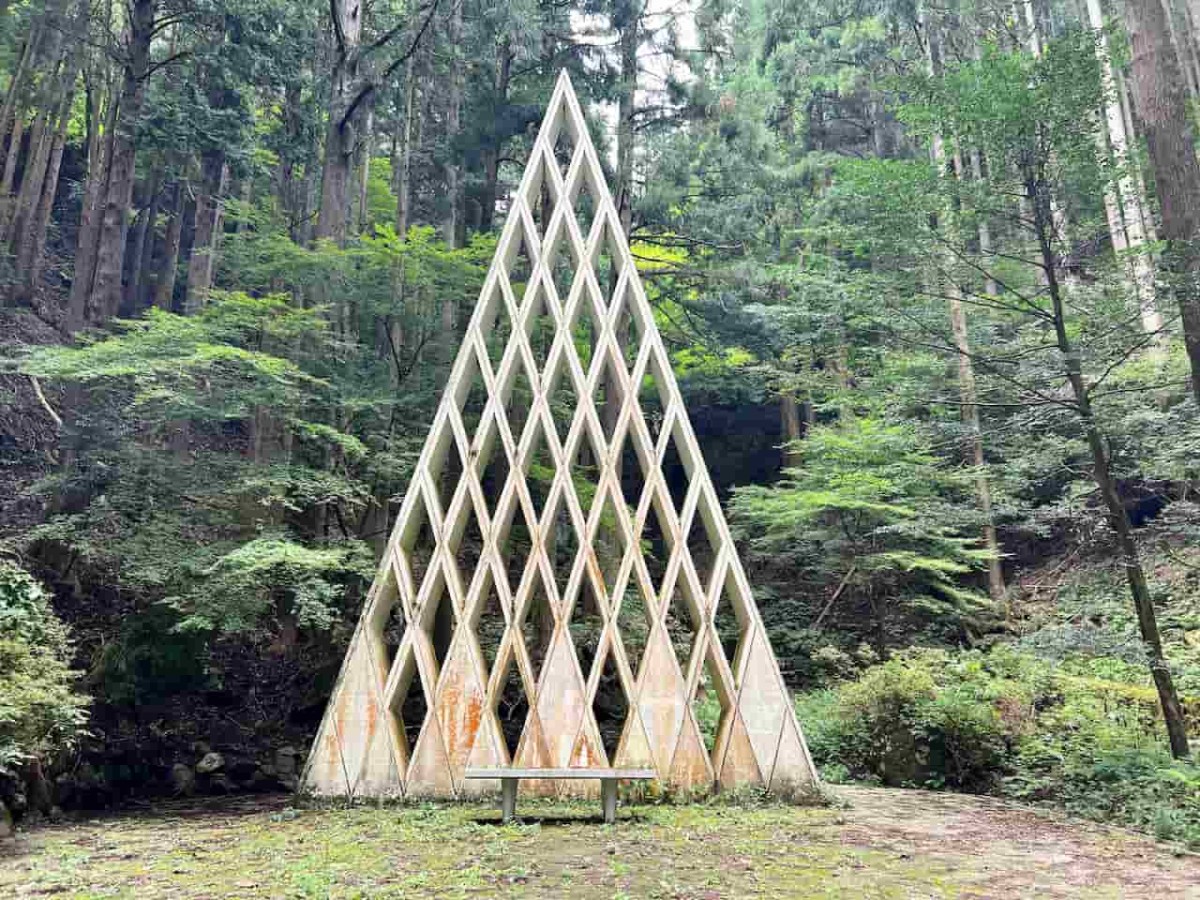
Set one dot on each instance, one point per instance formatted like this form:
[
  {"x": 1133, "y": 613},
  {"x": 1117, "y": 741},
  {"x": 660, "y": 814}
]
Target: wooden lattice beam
[{"x": 607, "y": 620}]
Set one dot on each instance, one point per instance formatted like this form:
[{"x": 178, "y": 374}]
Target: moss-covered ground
[{"x": 881, "y": 843}]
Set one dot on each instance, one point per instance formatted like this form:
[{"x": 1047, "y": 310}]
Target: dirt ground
[{"x": 883, "y": 843}]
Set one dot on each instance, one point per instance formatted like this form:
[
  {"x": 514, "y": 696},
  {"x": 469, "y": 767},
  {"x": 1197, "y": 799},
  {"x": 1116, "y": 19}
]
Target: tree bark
[
  {"x": 206, "y": 231},
  {"x": 792, "y": 426},
  {"x": 142, "y": 253},
  {"x": 164, "y": 285},
  {"x": 31, "y": 240},
  {"x": 1123, "y": 203},
  {"x": 454, "y": 228},
  {"x": 1162, "y": 107},
  {"x": 99, "y": 145},
  {"x": 409, "y": 137},
  {"x": 105, "y": 294},
  {"x": 491, "y": 153},
  {"x": 341, "y": 131}
]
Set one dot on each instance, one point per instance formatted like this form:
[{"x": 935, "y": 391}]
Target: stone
[
  {"x": 183, "y": 780},
  {"x": 209, "y": 763},
  {"x": 219, "y": 784},
  {"x": 285, "y": 760},
  {"x": 6, "y": 821}
]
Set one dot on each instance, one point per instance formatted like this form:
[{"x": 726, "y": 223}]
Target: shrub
[
  {"x": 41, "y": 713},
  {"x": 1006, "y": 723}
]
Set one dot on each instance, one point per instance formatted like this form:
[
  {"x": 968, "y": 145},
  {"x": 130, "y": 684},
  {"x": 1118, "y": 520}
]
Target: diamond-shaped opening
[
  {"x": 519, "y": 403},
  {"x": 512, "y": 706},
  {"x": 631, "y": 471},
  {"x": 631, "y": 334},
  {"x": 541, "y": 339},
  {"x": 410, "y": 705},
  {"x": 633, "y": 623},
  {"x": 562, "y": 544},
  {"x": 418, "y": 546},
  {"x": 585, "y": 332},
  {"x": 703, "y": 543},
  {"x": 610, "y": 707},
  {"x": 539, "y": 473},
  {"x": 467, "y": 547},
  {"x": 584, "y": 206},
  {"x": 493, "y": 477},
  {"x": 563, "y": 401},
  {"x": 609, "y": 542},
  {"x": 564, "y": 150},
  {"x": 537, "y": 626},
  {"x": 497, "y": 327},
  {"x": 395, "y": 624},
  {"x": 489, "y": 625},
  {"x": 585, "y": 472},
  {"x": 683, "y": 624},
  {"x": 608, "y": 397},
  {"x": 448, "y": 477},
  {"x": 731, "y": 622},
  {"x": 607, "y": 262},
  {"x": 562, "y": 267},
  {"x": 710, "y": 705},
  {"x": 438, "y": 621},
  {"x": 675, "y": 474},
  {"x": 515, "y": 544},
  {"x": 651, "y": 404},
  {"x": 586, "y": 626},
  {"x": 541, "y": 208},
  {"x": 473, "y": 404},
  {"x": 657, "y": 542},
  {"x": 520, "y": 267}
]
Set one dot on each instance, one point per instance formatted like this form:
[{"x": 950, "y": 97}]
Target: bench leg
[
  {"x": 508, "y": 798},
  {"x": 608, "y": 797}
]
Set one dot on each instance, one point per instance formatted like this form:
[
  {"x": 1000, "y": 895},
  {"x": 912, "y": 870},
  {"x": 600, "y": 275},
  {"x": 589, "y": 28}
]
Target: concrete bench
[{"x": 608, "y": 783}]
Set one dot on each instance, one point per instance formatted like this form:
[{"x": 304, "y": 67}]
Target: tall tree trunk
[
  {"x": 1160, "y": 671},
  {"x": 142, "y": 252},
  {"x": 454, "y": 228},
  {"x": 341, "y": 131},
  {"x": 1124, "y": 205},
  {"x": 491, "y": 153},
  {"x": 95, "y": 188},
  {"x": 409, "y": 136},
  {"x": 105, "y": 294},
  {"x": 16, "y": 84},
  {"x": 792, "y": 426},
  {"x": 168, "y": 269},
  {"x": 206, "y": 231},
  {"x": 1162, "y": 107},
  {"x": 31, "y": 240},
  {"x": 363, "y": 171},
  {"x": 968, "y": 392}
]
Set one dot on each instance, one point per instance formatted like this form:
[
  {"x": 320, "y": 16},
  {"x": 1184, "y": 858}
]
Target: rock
[
  {"x": 183, "y": 780},
  {"x": 285, "y": 760},
  {"x": 219, "y": 784},
  {"x": 6, "y": 821},
  {"x": 291, "y": 782},
  {"x": 209, "y": 763}
]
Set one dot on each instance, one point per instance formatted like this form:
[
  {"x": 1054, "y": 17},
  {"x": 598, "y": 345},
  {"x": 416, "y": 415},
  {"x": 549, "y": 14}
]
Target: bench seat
[{"x": 609, "y": 777}]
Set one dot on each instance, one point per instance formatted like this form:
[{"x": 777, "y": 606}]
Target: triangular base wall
[{"x": 561, "y": 588}]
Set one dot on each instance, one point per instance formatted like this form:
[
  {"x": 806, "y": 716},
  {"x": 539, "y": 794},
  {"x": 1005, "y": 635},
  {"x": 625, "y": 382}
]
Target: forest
[{"x": 928, "y": 276}]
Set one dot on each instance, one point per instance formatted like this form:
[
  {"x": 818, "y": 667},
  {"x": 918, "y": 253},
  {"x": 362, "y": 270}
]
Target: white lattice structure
[{"x": 607, "y": 619}]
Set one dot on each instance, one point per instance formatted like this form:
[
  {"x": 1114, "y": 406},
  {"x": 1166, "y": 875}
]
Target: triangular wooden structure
[{"x": 607, "y": 619}]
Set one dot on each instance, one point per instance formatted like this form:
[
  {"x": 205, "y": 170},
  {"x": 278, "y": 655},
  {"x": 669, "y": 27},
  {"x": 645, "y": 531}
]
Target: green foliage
[
  {"x": 234, "y": 592},
  {"x": 41, "y": 713},
  {"x": 872, "y": 516},
  {"x": 1006, "y": 723}
]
